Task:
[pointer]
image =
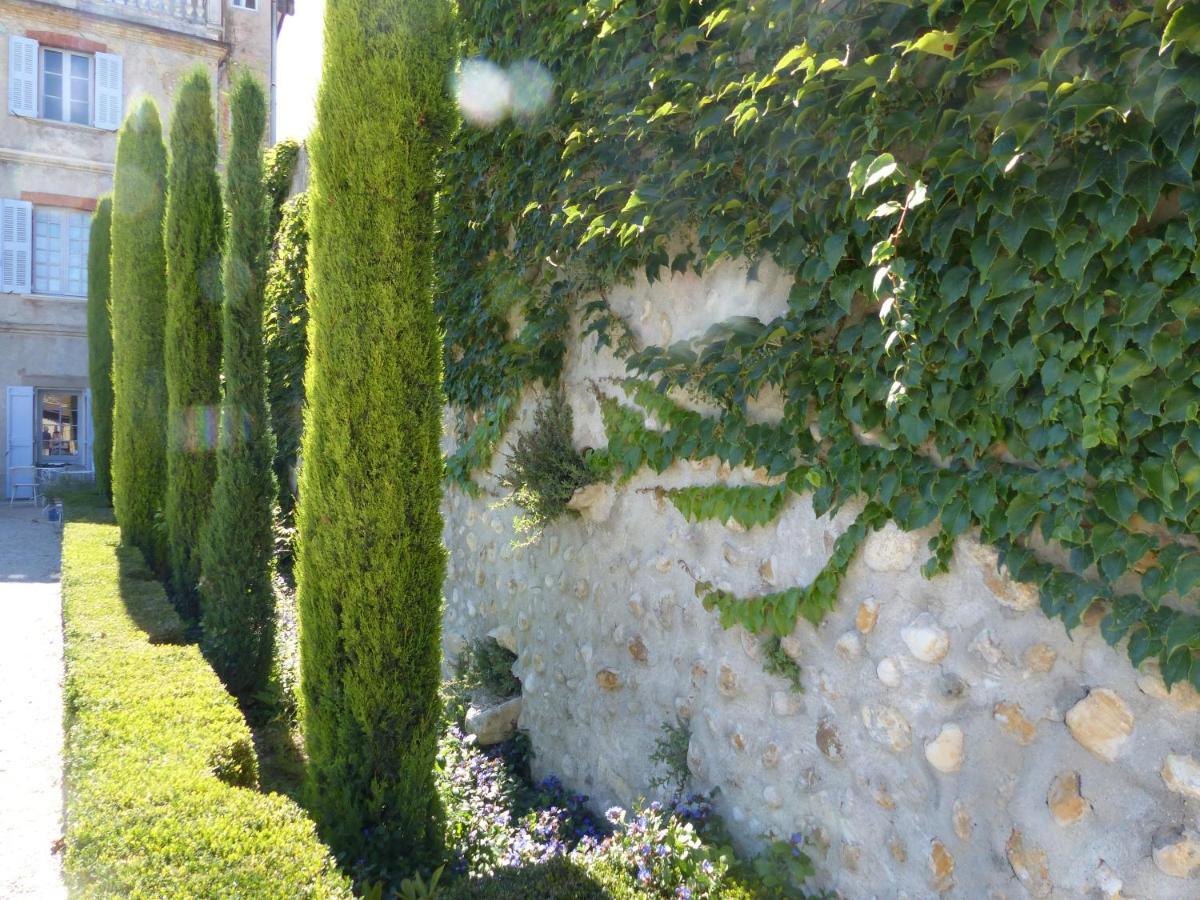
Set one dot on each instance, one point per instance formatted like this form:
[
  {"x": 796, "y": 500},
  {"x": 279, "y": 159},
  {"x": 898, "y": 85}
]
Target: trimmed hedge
[
  {"x": 160, "y": 767},
  {"x": 100, "y": 342},
  {"x": 192, "y": 349},
  {"x": 371, "y": 559},
  {"x": 237, "y": 598},
  {"x": 139, "y": 292}
]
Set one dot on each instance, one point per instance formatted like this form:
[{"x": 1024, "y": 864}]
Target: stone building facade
[
  {"x": 72, "y": 69},
  {"x": 950, "y": 740}
]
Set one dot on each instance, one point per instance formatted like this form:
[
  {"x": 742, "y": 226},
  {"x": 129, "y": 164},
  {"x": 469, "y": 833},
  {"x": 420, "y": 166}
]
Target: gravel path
[{"x": 31, "y": 675}]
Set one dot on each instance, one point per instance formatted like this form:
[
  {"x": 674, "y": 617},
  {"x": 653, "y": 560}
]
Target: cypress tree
[
  {"x": 100, "y": 342},
  {"x": 139, "y": 292},
  {"x": 237, "y": 600},
  {"x": 371, "y": 560},
  {"x": 285, "y": 328},
  {"x": 192, "y": 350}
]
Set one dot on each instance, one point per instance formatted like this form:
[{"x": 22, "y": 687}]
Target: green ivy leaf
[{"x": 939, "y": 43}]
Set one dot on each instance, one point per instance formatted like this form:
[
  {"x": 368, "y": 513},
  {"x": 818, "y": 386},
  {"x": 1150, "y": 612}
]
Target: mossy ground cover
[{"x": 161, "y": 775}]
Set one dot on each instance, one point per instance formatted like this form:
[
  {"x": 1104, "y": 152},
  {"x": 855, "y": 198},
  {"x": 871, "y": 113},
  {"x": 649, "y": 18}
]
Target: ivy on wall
[{"x": 990, "y": 210}]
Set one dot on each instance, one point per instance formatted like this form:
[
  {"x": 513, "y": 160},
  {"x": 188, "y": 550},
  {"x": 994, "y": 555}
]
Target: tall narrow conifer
[
  {"x": 371, "y": 561},
  {"x": 237, "y": 600},
  {"x": 100, "y": 342},
  {"x": 139, "y": 292},
  {"x": 192, "y": 349}
]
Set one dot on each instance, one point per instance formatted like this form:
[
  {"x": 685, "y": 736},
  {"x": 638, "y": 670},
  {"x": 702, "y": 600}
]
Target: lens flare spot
[
  {"x": 532, "y": 88},
  {"x": 483, "y": 92}
]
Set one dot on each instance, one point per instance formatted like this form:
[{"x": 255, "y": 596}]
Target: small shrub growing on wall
[
  {"x": 371, "y": 561},
  {"x": 544, "y": 469},
  {"x": 192, "y": 349},
  {"x": 238, "y": 602},
  {"x": 100, "y": 342},
  {"x": 139, "y": 293}
]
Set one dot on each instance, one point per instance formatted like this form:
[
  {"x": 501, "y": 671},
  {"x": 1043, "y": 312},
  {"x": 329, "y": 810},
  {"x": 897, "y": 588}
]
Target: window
[
  {"x": 61, "y": 85},
  {"x": 245, "y": 4},
  {"x": 60, "y": 251},
  {"x": 59, "y": 427},
  {"x": 66, "y": 86}
]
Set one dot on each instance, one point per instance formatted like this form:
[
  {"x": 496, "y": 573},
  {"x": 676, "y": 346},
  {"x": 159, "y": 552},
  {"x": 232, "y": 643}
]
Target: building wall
[
  {"x": 950, "y": 738},
  {"x": 43, "y": 339}
]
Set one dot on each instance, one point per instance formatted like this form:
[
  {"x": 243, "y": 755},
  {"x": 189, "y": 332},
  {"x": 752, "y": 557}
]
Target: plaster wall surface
[{"x": 950, "y": 739}]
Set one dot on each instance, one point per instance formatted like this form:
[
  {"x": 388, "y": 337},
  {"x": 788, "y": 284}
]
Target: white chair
[{"x": 24, "y": 478}]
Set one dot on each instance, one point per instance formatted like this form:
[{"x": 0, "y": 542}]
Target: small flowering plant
[
  {"x": 664, "y": 851},
  {"x": 784, "y": 867},
  {"x": 494, "y": 820}
]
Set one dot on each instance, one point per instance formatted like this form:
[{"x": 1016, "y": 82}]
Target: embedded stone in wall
[
  {"x": 784, "y": 704},
  {"x": 1182, "y": 774},
  {"x": 1176, "y": 852},
  {"x": 963, "y": 825},
  {"x": 887, "y": 726},
  {"x": 493, "y": 724},
  {"x": 791, "y": 645},
  {"x": 941, "y": 867},
  {"x": 867, "y": 615},
  {"x": 594, "y": 501},
  {"x": 1107, "y": 882},
  {"x": 888, "y": 672},
  {"x": 771, "y": 797},
  {"x": 608, "y": 679},
  {"x": 770, "y": 756},
  {"x": 889, "y": 549},
  {"x": 637, "y": 649},
  {"x": 1181, "y": 695},
  {"x": 848, "y": 646},
  {"x": 1014, "y": 722},
  {"x": 1015, "y": 595},
  {"x": 504, "y": 636},
  {"x": 1066, "y": 803},
  {"x": 884, "y": 798},
  {"x": 727, "y": 681},
  {"x": 925, "y": 639},
  {"x": 1101, "y": 722},
  {"x": 1029, "y": 865},
  {"x": 1039, "y": 659},
  {"x": 945, "y": 752},
  {"x": 829, "y": 741}
]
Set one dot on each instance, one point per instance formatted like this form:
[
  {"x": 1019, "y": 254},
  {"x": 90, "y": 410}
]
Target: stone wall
[{"x": 950, "y": 739}]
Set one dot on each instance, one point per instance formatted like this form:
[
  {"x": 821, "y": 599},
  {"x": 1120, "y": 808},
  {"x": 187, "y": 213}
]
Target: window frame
[
  {"x": 64, "y": 215},
  {"x": 241, "y": 4},
  {"x": 67, "y": 80},
  {"x": 40, "y": 456}
]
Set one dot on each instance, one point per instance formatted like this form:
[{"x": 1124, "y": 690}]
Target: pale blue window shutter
[
  {"x": 22, "y": 76},
  {"x": 19, "y": 452},
  {"x": 109, "y": 102},
  {"x": 16, "y": 246}
]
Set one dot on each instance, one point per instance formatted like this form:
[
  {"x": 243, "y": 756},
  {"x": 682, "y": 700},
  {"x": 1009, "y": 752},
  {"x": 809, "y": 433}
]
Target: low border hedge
[{"x": 161, "y": 774}]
